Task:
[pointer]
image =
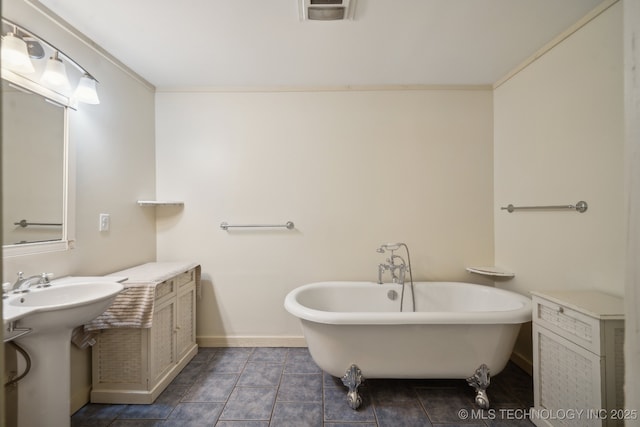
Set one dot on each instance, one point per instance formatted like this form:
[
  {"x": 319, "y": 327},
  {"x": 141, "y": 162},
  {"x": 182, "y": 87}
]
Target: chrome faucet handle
[
  {"x": 18, "y": 281},
  {"x": 6, "y": 287},
  {"x": 381, "y": 270},
  {"x": 402, "y": 272},
  {"x": 44, "y": 281}
]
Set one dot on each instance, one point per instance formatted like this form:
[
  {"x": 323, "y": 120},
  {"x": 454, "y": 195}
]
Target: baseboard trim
[
  {"x": 523, "y": 362},
  {"x": 250, "y": 341}
]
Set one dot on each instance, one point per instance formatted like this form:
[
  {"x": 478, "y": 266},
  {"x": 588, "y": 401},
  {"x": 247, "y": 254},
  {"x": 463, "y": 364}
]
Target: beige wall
[
  {"x": 632, "y": 155},
  {"x": 114, "y": 166},
  {"x": 352, "y": 169},
  {"x": 559, "y": 139}
]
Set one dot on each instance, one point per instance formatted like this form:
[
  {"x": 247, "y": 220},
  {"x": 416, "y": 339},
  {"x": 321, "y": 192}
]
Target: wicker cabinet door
[
  {"x": 119, "y": 360},
  {"x": 578, "y": 362},
  {"x": 568, "y": 378},
  {"x": 162, "y": 348},
  {"x": 186, "y": 319}
]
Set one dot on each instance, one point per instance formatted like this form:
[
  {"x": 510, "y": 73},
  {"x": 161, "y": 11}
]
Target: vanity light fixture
[
  {"x": 55, "y": 74},
  {"x": 21, "y": 50},
  {"x": 86, "y": 90},
  {"x": 15, "y": 54}
]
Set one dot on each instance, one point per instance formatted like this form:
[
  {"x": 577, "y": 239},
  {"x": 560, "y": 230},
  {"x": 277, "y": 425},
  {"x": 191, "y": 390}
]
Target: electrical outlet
[{"x": 105, "y": 222}]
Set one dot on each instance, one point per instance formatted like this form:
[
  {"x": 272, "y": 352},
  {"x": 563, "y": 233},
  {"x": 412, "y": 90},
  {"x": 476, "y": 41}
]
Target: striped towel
[
  {"x": 132, "y": 308},
  {"x": 82, "y": 338}
]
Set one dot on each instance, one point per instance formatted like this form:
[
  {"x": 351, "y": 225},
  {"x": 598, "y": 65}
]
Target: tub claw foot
[
  {"x": 482, "y": 400},
  {"x": 352, "y": 379},
  {"x": 480, "y": 381}
]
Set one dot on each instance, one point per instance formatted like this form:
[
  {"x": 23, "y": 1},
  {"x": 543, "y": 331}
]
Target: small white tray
[
  {"x": 490, "y": 271},
  {"x": 160, "y": 203}
]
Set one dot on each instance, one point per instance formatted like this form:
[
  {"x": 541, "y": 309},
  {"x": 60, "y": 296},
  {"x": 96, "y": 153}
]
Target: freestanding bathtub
[{"x": 459, "y": 330}]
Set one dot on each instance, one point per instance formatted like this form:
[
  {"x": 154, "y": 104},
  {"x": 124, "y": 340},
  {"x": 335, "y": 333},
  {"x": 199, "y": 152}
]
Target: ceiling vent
[{"x": 326, "y": 10}]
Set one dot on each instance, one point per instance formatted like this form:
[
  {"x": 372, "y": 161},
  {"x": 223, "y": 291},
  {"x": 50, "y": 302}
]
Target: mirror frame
[{"x": 68, "y": 200}]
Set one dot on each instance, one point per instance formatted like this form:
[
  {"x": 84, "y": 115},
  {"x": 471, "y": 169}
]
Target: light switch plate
[{"x": 105, "y": 222}]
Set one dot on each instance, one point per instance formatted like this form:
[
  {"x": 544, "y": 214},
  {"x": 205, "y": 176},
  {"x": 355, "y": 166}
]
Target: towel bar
[
  {"x": 581, "y": 207},
  {"x": 24, "y": 223},
  {"x": 288, "y": 225}
]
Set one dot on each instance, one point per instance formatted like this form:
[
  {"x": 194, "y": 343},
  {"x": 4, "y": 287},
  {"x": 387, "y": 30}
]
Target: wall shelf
[
  {"x": 491, "y": 271},
  {"x": 159, "y": 203}
]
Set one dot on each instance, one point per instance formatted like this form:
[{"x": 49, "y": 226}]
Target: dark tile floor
[{"x": 247, "y": 387}]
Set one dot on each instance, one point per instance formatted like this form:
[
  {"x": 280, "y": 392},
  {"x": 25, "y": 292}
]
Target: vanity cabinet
[
  {"x": 578, "y": 361},
  {"x": 134, "y": 365}
]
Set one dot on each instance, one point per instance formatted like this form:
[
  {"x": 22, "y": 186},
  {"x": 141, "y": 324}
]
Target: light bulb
[
  {"x": 15, "y": 55},
  {"x": 55, "y": 73},
  {"x": 86, "y": 90}
]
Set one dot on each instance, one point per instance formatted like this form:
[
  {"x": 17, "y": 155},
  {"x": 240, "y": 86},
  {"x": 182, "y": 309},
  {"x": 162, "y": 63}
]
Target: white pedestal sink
[{"x": 51, "y": 313}]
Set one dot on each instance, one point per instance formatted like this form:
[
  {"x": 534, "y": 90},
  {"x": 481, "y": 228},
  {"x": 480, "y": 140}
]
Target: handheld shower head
[{"x": 391, "y": 246}]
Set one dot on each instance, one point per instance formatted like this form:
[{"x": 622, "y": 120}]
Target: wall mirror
[{"x": 34, "y": 171}]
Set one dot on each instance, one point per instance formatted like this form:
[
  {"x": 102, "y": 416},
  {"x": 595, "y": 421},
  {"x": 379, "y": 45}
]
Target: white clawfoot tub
[{"x": 456, "y": 328}]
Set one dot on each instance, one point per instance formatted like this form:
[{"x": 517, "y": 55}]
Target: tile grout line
[
  {"x": 213, "y": 356},
  {"x": 322, "y": 391},
  {"x": 415, "y": 393},
  {"x": 275, "y": 398},
  {"x": 235, "y": 385},
  {"x": 190, "y": 386}
]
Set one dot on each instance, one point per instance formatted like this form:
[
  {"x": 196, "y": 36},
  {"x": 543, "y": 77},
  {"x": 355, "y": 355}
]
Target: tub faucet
[
  {"x": 395, "y": 264},
  {"x": 381, "y": 269},
  {"x": 398, "y": 268}
]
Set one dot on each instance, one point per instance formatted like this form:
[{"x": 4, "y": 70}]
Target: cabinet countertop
[{"x": 592, "y": 303}]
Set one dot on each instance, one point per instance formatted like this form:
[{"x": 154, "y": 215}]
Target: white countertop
[{"x": 592, "y": 303}]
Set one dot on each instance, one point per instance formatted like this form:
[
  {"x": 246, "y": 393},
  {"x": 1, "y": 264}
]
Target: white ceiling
[{"x": 178, "y": 43}]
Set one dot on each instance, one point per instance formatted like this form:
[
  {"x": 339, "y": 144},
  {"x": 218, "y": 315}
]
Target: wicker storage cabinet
[
  {"x": 578, "y": 365},
  {"x": 134, "y": 365}
]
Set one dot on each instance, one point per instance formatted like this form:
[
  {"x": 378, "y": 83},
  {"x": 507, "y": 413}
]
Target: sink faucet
[{"x": 23, "y": 284}]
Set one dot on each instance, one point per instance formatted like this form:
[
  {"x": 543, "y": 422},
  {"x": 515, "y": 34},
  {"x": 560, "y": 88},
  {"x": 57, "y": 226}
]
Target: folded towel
[
  {"x": 82, "y": 338},
  {"x": 133, "y": 306}
]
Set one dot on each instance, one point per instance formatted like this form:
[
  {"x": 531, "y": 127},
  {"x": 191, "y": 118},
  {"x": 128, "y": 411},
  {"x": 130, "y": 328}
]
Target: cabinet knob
[{"x": 560, "y": 310}]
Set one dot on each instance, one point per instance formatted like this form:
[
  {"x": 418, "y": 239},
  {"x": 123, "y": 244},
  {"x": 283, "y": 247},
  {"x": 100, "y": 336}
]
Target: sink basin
[
  {"x": 45, "y": 318},
  {"x": 61, "y": 305},
  {"x": 63, "y": 296}
]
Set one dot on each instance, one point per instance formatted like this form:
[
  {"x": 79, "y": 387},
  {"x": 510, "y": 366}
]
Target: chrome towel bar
[
  {"x": 581, "y": 207},
  {"x": 24, "y": 223},
  {"x": 288, "y": 225}
]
